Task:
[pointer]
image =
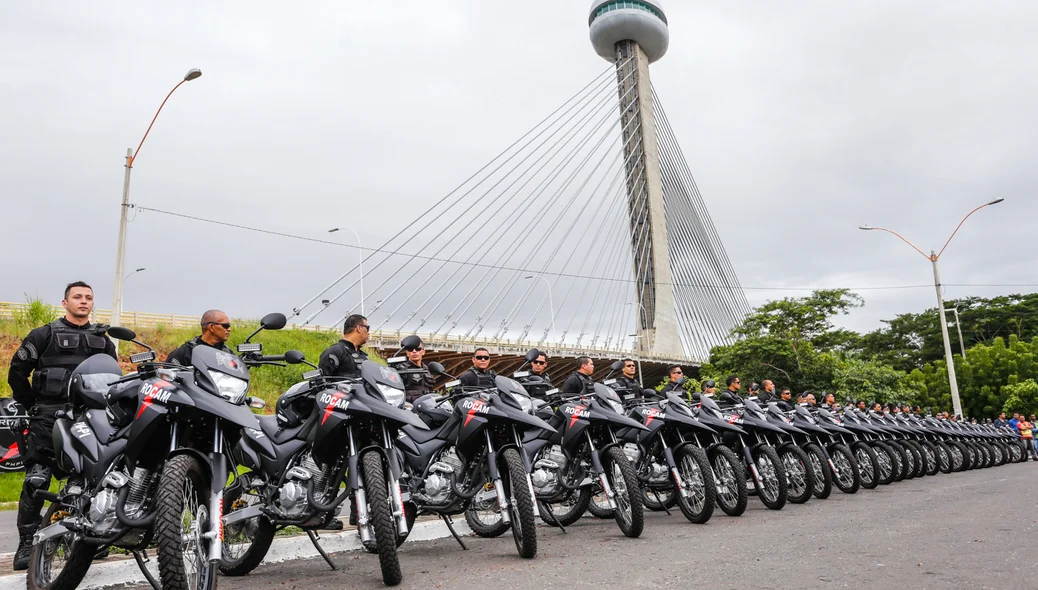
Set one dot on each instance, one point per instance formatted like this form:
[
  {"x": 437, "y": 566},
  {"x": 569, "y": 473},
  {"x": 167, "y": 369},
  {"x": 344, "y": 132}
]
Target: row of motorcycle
[{"x": 173, "y": 458}]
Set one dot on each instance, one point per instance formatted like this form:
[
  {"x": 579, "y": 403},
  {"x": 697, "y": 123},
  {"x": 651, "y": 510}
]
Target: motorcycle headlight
[
  {"x": 229, "y": 388},
  {"x": 393, "y": 396},
  {"x": 617, "y": 406}
]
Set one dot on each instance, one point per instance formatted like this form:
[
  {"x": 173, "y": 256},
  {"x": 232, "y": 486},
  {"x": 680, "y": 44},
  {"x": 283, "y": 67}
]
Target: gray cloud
[{"x": 800, "y": 122}]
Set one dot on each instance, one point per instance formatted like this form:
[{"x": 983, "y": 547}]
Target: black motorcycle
[
  {"x": 327, "y": 431},
  {"x": 473, "y": 447},
  {"x": 147, "y": 461},
  {"x": 584, "y": 450}
]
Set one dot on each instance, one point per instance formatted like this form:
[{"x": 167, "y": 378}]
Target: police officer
[
  {"x": 479, "y": 374},
  {"x": 767, "y": 392},
  {"x": 343, "y": 358},
  {"x": 675, "y": 380},
  {"x": 417, "y": 379},
  {"x": 785, "y": 401},
  {"x": 732, "y": 393},
  {"x": 580, "y": 381},
  {"x": 539, "y": 369},
  {"x": 626, "y": 384},
  {"x": 216, "y": 329},
  {"x": 49, "y": 353}
]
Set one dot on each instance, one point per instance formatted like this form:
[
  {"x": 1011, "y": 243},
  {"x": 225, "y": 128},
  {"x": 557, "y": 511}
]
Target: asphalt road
[
  {"x": 977, "y": 529},
  {"x": 8, "y": 531}
]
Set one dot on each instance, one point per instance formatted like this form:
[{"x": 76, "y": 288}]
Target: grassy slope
[{"x": 267, "y": 382}]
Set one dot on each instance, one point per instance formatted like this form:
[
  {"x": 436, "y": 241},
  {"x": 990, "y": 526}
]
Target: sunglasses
[
  {"x": 416, "y": 350},
  {"x": 482, "y": 357},
  {"x": 536, "y": 362},
  {"x": 628, "y": 366},
  {"x": 365, "y": 326},
  {"x": 226, "y": 326}
]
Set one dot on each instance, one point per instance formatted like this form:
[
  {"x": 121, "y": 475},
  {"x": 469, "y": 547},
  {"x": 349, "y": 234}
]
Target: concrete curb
[{"x": 125, "y": 571}]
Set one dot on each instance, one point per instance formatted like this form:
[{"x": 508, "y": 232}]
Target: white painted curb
[{"x": 125, "y": 571}]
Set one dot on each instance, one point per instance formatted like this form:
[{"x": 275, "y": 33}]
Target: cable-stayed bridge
[{"x": 586, "y": 235}]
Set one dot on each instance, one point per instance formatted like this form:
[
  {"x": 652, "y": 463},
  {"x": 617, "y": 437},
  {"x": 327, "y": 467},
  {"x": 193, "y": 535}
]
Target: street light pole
[
  {"x": 958, "y": 327},
  {"x": 953, "y": 383},
  {"x": 551, "y": 304},
  {"x": 360, "y": 263},
  {"x": 120, "y": 256},
  {"x": 933, "y": 257}
]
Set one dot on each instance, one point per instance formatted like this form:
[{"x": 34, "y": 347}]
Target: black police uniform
[
  {"x": 181, "y": 355},
  {"x": 578, "y": 383},
  {"x": 49, "y": 353},
  {"x": 784, "y": 405},
  {"x": 417, "y": 379},
  {"x": 341, "y": 359},
  {"x": 537, "y": 387},
  {"x": 627, "y": 386},
  {"x": 676, "y": 387},
  {"x": 476, "y": 378}
]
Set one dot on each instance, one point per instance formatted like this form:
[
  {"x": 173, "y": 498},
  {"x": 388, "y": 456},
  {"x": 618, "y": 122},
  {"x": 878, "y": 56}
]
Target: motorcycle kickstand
[
  {"x": 314, "y": 539},
  {"x": 551, "y": 520},
  {"x": 450, "y": 527},
  {"x": 657, "y": 496},
  {"x": 144, "y": 569}
]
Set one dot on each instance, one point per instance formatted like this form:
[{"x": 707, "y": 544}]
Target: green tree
[{"x": 1022, "y": 397}]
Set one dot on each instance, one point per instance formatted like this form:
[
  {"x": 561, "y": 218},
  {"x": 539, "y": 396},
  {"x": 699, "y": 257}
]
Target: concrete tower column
[{"x": 632, "y": 34}]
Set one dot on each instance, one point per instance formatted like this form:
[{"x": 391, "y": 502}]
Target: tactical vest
[
  {"x": 66, "y": 349},
  {"x": 417, "y": 380},
  {"x": 484, "y": 380}
]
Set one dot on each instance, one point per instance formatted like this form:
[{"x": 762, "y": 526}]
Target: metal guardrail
[{"x": 383, "y": 339}]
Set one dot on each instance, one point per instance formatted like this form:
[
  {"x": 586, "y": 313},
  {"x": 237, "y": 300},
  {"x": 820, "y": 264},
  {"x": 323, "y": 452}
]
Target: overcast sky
[{"x": 800, "y": 120}]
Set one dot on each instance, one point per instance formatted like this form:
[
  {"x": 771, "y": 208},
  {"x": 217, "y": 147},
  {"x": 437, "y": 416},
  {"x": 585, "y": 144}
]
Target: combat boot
[{"x": 21, "y": 556}]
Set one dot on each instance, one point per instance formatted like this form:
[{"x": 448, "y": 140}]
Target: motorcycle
[
  {"x": 472, "y": 450},
  {"x": 584, "y": 449},
  {"x": 146, "y": 460},
  {"x": 12, "y": 426},
  {"x": 327, "y": 431}
]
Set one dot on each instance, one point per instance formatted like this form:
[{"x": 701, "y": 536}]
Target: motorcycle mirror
[
  {"x": 650, "y": 392},
  {"x": 273, "y": 321},
  {"x": 532, "y": 354},
  {"x": 616, "y": 366},
  {"x": 121, "y": 333},
  {"x": 436, "y": 369},
  {"x": 412, "y": 343},
  {"x": 294, "y": 357}
]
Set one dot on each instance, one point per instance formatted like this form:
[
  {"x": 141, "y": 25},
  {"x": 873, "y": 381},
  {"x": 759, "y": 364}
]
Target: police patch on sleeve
[
  {"x": 22, "y": 354},
  {"x": 32, "y": 350}
]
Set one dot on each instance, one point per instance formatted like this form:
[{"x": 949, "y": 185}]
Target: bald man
[{"x": 216, "y": 329}]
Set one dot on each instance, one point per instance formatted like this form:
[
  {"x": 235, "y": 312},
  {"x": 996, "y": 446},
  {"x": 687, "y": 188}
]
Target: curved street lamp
[
  {"x": 360, "y": 263},
  {"x": 131, "y": 155},
  {"x": 933, "y": 257}
]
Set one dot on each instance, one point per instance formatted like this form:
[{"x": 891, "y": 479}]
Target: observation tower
[{"x": 633, "y": 34}]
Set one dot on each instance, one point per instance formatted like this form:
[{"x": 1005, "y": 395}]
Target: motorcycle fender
[
  {"x": 243, "y": 454},
  {"x": 203, "y": 459},
  {"x": 719, "y": 424},
  {"x": 619, "y": 420},
  {"x": 221, "y": 408}
]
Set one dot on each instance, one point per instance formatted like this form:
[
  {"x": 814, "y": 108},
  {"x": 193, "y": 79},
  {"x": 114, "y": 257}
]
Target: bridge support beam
[{"x": 658, "y": 320}]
